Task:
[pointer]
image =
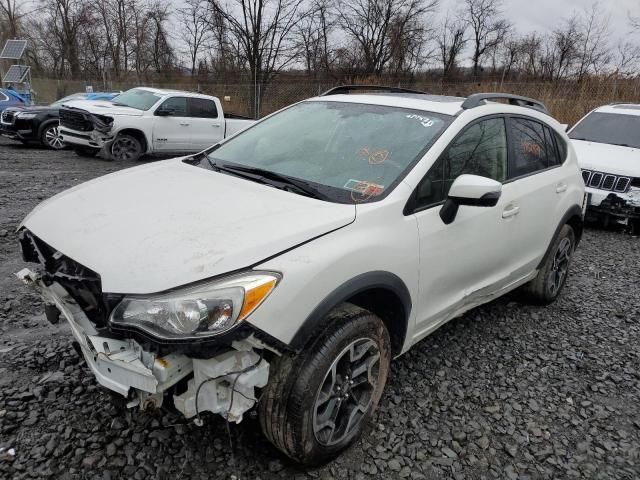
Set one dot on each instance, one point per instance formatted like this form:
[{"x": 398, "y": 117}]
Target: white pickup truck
[{"x": 144, "y": 121}]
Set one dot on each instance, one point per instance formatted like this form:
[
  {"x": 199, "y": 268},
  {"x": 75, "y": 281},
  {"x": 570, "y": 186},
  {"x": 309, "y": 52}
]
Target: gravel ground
[{"x": 507, "y": 391}]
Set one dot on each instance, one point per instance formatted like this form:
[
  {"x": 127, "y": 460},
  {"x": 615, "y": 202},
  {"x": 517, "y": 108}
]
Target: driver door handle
[
  {"x": 184, "y": 124},
  {"x": 510, "y": 211}
]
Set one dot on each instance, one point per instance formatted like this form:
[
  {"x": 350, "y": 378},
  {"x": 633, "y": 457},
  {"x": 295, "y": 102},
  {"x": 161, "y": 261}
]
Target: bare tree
[
  {"x": 451, "y": 41},
  {"x": 488, "y": 28},
  {"x": 375, "y": 25},
  {"x": 11, "y": 15},
  {"x": 194, "y": 20},
  {"x": 311, "y": 37},
  {"x": 260, "y": 31},
  {"x": 626, "y": 59},
  {"x": 593, "y": 50}
]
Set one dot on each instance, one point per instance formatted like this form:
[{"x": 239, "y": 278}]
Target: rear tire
[
  {"x": 552, "y": 276},
  {"x": 126, "y": 148},
  {"x": 51, "y": 138},
  {"x": 318, "y": 402},
  {"x": 87, "y": 152}
]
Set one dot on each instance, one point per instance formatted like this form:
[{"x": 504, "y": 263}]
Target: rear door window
[
  {"x": 530, "y": 150},
  {"x": 202, "y": 108}
]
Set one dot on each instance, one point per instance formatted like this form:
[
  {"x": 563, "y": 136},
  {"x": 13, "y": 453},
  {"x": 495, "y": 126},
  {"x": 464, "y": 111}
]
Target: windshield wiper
[{"x": 268, "y": 177}]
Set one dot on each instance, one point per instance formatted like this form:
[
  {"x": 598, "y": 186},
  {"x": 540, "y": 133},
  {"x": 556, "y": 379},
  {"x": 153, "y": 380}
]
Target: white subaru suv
[
  {"x": 607, "y": 143},
  {"x": 284, "y": 268}
]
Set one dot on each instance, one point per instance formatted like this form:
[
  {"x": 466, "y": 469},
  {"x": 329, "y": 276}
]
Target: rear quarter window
[{"x": 202, "y": 108}]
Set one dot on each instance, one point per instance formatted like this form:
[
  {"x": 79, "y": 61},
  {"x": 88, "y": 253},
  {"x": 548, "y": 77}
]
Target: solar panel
[
  {"x": 16, "y": 74},
  {"x": 13, "y": 49}
]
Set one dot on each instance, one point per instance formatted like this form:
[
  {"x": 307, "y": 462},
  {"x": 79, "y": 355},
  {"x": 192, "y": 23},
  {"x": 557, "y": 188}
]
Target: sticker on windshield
[
  {"x": 374, "y": 157},
  {"x": 425, "y": 121},
  {"x": 362, "y": 191}
]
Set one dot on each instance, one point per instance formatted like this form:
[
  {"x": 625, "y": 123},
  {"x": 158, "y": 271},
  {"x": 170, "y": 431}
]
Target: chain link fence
[{"x": 567, "y": 101}]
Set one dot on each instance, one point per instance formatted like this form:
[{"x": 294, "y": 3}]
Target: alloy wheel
[
  {"x": 124, "y": 148},
  {"x": 54, "y": 139},
  {"x": 346, "y": 392},
  {"x": 560, "y": 265}
]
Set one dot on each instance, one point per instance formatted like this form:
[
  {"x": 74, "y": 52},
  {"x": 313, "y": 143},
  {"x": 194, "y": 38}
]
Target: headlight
[
  {"x": 26, "y": 115},
  {"x": 197, "y": 312}
]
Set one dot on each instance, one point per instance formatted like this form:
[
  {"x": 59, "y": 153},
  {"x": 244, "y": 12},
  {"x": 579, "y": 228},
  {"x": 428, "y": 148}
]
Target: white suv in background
[
  {"x": 607, "y": 143},
  {"x": 145, "y": 121},
  {"x": 284, "y": 268}
]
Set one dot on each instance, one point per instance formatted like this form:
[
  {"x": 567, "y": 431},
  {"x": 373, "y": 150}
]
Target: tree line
[{"x": 322, "y": 40}]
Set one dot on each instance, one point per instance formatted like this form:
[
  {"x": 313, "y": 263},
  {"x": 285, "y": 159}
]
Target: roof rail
[
  {"x": 378, "y": 88},
  {"x": 478, "y": 99}
]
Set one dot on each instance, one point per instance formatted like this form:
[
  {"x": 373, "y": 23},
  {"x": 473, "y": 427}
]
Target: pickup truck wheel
[
  {"x": 318, "y": 402},
  {"x": 86, "y": 151},
  {"x": 546, "y": 287},
  {"x": 51, "y": 137},
  {"x": 126, "y": 147}
]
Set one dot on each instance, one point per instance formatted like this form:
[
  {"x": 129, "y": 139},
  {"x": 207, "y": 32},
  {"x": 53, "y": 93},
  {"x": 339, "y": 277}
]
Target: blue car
[
  {"x": 39, "y": 124},
  {"x": 11, "y": 98}
]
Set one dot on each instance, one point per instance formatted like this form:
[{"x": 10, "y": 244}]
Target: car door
[
  {"x": 171, "y": 126},
  {"x": 473, "y": 257},
  {"x": 207, "y": 126},
  {"x": 534, "y": 171}
]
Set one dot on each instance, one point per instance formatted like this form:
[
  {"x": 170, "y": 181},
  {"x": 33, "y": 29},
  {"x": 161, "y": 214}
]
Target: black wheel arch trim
[
  {"x": 44, "y": 124},
  {"x": 366, "y": 281},
  {"x": 574, "y": 211}
]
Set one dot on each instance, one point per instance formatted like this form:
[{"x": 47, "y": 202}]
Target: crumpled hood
[
  {"x": 608, "y": 158},
  {"x": 103, "y": 107},
  {"x": 159, "y": 226}
]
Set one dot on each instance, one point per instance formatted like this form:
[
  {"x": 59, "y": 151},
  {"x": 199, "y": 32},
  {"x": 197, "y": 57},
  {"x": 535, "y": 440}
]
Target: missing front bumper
[{"x": 224, "y": 384}]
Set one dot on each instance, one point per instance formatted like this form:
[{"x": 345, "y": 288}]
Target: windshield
[
  {"x": 137, "y": 98},
  {"x": 73, "y": 96},
  {"x": 611, "y": 128},
  {"x": 349, "y": 152}
]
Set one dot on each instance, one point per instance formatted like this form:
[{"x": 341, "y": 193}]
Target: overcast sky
[{"x": 543, "y": 15}]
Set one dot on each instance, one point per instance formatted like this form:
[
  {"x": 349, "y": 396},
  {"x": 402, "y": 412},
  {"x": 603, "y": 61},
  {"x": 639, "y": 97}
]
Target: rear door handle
[
  {"x": 510, "y": 211},
  {"x": 561, "y": 187},
  {"x": 185, "y": 124},
  {"x": 217, "y": 125}
]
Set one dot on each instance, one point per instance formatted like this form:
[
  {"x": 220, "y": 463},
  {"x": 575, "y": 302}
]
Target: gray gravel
[{"x": 507, "y": 391}]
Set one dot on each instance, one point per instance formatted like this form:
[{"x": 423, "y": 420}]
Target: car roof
[
  {"x": 621, "y": 108},
  {"x": 431, "y": 103}
]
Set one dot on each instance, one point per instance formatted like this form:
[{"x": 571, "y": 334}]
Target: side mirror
[
  {"x": 165, "y": 112},
  {"x": 470, "y": 190}
]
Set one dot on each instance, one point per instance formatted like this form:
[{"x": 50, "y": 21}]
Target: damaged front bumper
[
  {"x": 224, "y": 384},
  {"x": 621, "y": 208}
]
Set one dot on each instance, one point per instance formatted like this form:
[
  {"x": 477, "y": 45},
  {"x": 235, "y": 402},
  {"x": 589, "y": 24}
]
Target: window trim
[{"x": 409, "y": 208}]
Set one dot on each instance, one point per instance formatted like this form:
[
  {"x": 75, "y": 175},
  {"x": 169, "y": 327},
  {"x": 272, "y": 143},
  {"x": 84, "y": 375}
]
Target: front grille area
[
  {"x": 75, "y": 120},
  {"x": 8, "y": 116},
  {"x": 82, "y": 284},
  {"x": 606, "y": 181}
]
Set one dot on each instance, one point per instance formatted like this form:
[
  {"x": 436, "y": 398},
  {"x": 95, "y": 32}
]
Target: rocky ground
[{"x": 507, "y": 391}]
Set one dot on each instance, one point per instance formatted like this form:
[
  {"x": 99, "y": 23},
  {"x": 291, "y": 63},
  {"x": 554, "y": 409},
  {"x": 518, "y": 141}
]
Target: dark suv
[{"x": 40, "y": 123}]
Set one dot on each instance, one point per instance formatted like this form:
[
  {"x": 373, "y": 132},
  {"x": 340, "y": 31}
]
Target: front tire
[
  {"x": 51, "y": 137},
  {"x": 318, "y": 402},
  {"x": 126, "y": 147},
  {"x": 546, "y": 287}
]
